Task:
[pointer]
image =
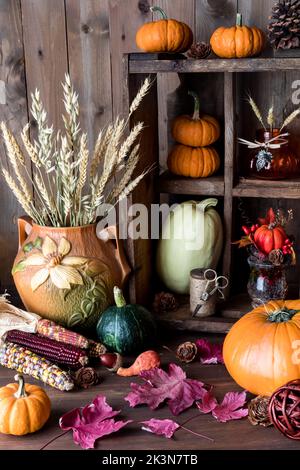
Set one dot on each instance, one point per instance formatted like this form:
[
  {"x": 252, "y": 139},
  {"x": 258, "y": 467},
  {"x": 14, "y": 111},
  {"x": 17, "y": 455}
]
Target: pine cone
[
  {"x": 186, "y": 352},
  {"x": 199, "y": 50},
  {"x": 164, "y": 302},
  {"x": 284, "y": 25},
  {"x": 276, "y": 257},
  {"x": 258, "y": 411}
]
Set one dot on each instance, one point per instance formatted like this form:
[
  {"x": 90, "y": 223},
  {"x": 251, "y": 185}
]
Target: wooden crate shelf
[
  {"x": 171, "y": 184},
  {"x": 226, "y": 315},
  {"x": 288, "y": 189},
  {"x": 225, "y": 81},
  {"x": 140, "y": 63}
]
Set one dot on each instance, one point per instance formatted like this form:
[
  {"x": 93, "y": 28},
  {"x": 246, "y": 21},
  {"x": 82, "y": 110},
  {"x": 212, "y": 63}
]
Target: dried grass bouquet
[{"x": 66, "y": 184}]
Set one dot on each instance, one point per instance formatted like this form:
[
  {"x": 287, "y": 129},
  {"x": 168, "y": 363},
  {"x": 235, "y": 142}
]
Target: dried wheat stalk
[
  {"x": 290, "y": 118},
  {"x": 65, "y": 193}
]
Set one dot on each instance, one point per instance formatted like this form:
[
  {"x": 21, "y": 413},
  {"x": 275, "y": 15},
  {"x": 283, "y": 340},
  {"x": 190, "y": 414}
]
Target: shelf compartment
[
  {"x": 228, "y": 313},
  {"x": 144, "y": 63},
  {"x": 287, "y": 189},
  {"x": 172, "y": 184}
]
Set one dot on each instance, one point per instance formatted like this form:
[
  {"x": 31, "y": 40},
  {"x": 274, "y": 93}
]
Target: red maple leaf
[
  {"x": 209, "y": 353},
  {"x": 230, "y": 408},
  {"x": 91, "y": 422},
  {"x": 269, "y": 219},
  {"x": 161, "y": 427},
  {"x": 172, "y": 386}
]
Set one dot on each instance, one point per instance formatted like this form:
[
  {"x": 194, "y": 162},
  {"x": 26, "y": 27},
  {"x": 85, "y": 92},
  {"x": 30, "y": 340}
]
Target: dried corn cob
[
  {"x": 59, "y": 333},
  {"x": 64, "y": 354},
  {"x": 95, "y": 349},
  {"x": 26, "y": 362}
]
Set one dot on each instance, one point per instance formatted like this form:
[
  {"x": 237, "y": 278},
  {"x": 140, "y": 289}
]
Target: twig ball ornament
[{"x": 284, "y": 409}]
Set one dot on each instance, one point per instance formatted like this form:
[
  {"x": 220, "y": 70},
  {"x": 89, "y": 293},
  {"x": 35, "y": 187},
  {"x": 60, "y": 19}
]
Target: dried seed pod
[
  {"x": 186, "y": 352},
  {"x": 112, "y": 361},
  {"x": 258, "y": 411}
]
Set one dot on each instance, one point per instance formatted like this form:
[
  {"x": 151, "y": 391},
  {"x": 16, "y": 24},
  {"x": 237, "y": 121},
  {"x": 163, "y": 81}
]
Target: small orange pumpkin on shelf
[
  {"x": 237, "y": 41},
  {"x": 23, "y": 408},
  {"x": 196, "y": 162},
  {"x": 164, "y": 35},
  {"x": 261, "y": 351},
  {"x": 196, "y": 130}
]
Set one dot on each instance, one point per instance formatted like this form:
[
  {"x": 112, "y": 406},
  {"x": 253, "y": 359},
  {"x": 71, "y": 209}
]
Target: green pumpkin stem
[
  {"x": 160, "y": 10},
  {"x": 119, "y": 297},
  {"x": 20, "y": 393},
  {"x": 282, "y": 315},
  {"x": 239, "y": 19},
  {"x": 196, "y": 115}
]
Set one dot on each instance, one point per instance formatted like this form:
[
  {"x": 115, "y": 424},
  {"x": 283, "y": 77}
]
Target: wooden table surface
[{"x": 232, "y": 435}]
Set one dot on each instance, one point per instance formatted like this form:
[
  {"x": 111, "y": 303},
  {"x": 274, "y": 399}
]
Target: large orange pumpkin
[
  {"x": 268, "y": 238},
  {"x": 196, "y": 130},
  {"x": 23, "y": 408},
  {"x": 237, "y": 41},
  {"x": 196, "y": 162},
  {"x": 262, "y": 350},
  {"x": 165, "y": 35}
]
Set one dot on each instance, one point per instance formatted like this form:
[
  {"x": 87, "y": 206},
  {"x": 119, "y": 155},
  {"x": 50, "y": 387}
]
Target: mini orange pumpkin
[
  {"x": 196, "y": 162},
  {"x": 23, "y": 408},
  {"x": 262, "y": 349},
  {"x": 195, "y": 131},
  {"x": 165, "y": 35},
  {"x": 268, "y": 238},
  {"x": 237, "y": 41}
]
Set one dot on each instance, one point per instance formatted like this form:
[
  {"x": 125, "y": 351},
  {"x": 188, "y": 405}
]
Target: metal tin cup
[{"x": 198, "y": 287}]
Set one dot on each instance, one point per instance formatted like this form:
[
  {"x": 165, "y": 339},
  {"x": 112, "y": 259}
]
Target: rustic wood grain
[
  {"x": 172, "y": 184},
  {"x": 237, "y": 435},
  {"x": 211, "y": 14},
  {"x": 230, "y": 147},
  {"x": 45, "y": 44},
  {"x": 285, "y": 189},
  {"x": 260, "y": 64},
  {"x": 89, "y": 62},
  {"x": 140, "y": 250},
  {"x": 125, "y": 17},
  {"x": 13, "y": 110}
]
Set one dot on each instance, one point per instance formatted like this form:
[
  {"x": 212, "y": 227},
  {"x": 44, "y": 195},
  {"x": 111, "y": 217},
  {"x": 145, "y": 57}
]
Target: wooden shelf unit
[{"x": 228, "y": 186}]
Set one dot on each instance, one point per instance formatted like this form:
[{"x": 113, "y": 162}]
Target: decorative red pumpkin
[{"x": 268, "y": 238}]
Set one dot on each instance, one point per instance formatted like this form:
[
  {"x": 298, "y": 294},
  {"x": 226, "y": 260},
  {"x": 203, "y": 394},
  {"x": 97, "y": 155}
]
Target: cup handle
[
  {"x": 120, "y": 255},
  {"x": 24, "y": 228}
]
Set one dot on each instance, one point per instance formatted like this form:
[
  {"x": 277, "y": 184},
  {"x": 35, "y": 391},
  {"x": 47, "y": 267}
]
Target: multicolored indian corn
[
  {"x": 26, "y": 362},
  {"x": 95, "y": 349},
  {"x": 61, "y": 353},
  {"x": 59, "y": 333}
]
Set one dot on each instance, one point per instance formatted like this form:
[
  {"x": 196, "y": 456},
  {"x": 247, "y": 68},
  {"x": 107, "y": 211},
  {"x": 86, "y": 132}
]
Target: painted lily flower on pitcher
[{"x": 56, "y": 264}]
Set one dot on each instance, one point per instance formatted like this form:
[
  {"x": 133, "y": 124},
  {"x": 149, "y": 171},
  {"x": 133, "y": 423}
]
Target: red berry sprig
[
  {"x": 287, "y": 247},
  {"x": 250, "y": 230}
]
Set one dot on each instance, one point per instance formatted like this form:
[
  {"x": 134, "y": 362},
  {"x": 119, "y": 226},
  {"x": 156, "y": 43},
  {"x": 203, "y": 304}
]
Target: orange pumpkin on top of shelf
[
  {"x": 197, "y": 130},
  {"x": 196, "y": 162},
  {"x": 164, "y": 35},
  {"x": 237, "y": 41}
]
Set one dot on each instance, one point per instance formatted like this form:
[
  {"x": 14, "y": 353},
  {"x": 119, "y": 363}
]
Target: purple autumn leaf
[
  {"x": 207, "y": 403},
  {"x": 161, "y": 427},
  {"x": 209, "y": 353},
  {"x": 231, "y": 407},
  {"x": 91, "y": 422},
  {"x": 172, "y": 386}
]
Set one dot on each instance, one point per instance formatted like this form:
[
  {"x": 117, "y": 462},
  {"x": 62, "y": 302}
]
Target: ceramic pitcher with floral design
[{"x": 67, "y": 274}]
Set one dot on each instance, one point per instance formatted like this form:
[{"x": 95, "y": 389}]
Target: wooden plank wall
[{"x": 42, "y": 39}]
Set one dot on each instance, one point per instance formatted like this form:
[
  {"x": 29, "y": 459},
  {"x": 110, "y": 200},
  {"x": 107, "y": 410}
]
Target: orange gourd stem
[
  {"x": 160, "y": 10},
  {"x": 20, "y": 393},
  {"x": 239, "y": 19},
  {"x": 145, "y": 361},
  {"x": 196, "y": 115}
]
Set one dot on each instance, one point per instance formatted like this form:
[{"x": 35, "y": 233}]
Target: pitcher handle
[
  {"x": 123, "y": 263},
  {"x": 22, "y": 223}
]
